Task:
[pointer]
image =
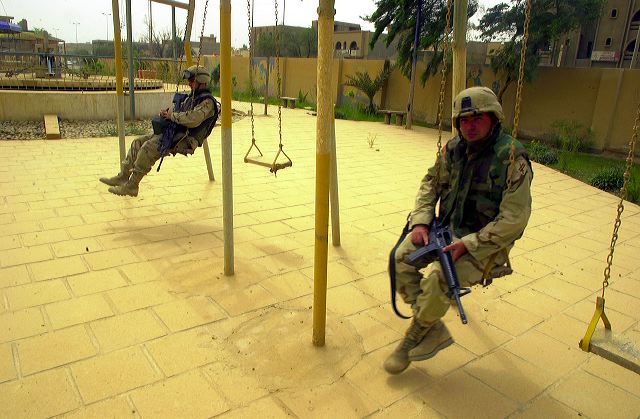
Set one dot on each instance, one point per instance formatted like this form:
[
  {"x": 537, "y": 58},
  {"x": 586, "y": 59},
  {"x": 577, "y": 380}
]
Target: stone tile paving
[{"x": 119, "y": 308}]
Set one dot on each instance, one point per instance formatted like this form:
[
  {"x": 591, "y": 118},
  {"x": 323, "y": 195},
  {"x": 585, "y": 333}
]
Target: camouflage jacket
[
  {"x": 475, "y": 200},
  {"x": 202, "y": 108}
]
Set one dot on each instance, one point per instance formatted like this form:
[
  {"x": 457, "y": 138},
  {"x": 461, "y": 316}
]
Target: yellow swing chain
[
  {"x": 250, "y": 32},
  {"x": 443, "y": 81},
  {"x": 516, "y": 116},
  {"x": 275, "y": 167},
  {"x": 585, "y": 342},
  {"x": 623, "y": 195}
]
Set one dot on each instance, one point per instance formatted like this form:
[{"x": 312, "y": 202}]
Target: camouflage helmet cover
[
  {"x": 198, "y": 72},
  {"x": 475, "y": 100}
]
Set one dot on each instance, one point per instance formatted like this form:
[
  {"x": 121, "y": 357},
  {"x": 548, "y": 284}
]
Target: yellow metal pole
[
  {"x": 187, "y": 36},
  {"x": 326, "y": 12},
  {"x": 117, "y": 45},
  {"x": 226, "y": 134},
  {"x": 459, "y": 73}
]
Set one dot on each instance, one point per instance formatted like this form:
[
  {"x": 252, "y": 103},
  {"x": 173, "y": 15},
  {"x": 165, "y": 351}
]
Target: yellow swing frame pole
[
  {"x": 187, "y": 36},
  {"x": 226, "y": 134},
  {"x": 326, "y": 12},
  {"x": 117, "y": 46}
]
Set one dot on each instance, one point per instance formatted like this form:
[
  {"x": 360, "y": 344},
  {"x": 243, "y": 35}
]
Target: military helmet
[
  {"x": 198, "y": 72},
  {"x": 475, "y": 100}
]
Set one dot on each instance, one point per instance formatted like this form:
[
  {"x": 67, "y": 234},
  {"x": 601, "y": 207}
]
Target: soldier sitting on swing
[
  {"x": 178, "y": 131},
  {"x": 486, "y": 210}
]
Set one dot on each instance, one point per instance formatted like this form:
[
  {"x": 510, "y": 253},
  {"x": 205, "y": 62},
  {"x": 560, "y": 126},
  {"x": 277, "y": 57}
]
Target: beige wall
[{"x": 602, "y": 99}]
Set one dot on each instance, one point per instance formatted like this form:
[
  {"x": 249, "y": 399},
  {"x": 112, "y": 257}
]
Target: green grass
[
  {"x": 241, "y": 96},
  {"x": 355, "y": 113},
  {"x": 584, "y": 166}
]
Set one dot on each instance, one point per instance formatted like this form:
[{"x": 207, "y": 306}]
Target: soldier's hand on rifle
[
  {"x": 166, "y": 113},
  {"x": 420, "y": 235},
  {"x": 457, "y": 249}
]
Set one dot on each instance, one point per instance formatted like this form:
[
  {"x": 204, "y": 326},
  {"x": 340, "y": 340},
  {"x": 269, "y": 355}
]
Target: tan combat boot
[
  {"x": 117, "y": 180},
  {"x": 399, "y": 361},
  {"x": 434, "y": 341},
  {"x": 130, "y": 187}
]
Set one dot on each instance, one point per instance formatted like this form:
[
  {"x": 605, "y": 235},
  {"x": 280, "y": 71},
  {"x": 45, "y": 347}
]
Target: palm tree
[{"x": 364, "y": 83}]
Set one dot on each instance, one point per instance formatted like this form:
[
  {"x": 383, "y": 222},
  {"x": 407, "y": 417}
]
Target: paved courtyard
[{"x": 113, "y": 307}]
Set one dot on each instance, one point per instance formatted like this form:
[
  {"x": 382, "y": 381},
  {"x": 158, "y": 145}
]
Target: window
[
  {"x": 614, "y": 13},
  {"x": 353, "y": 45},
  {"x": 338, "y": 45},
  {"x": 607, "y": 42}
]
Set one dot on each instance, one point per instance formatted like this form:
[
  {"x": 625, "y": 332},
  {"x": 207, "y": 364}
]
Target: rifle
[
  {"x": 439, "y": 238},
  {"x": 168, "y": 128}
]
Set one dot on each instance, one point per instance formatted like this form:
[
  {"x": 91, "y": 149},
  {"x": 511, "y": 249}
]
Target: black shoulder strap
[{"x": 392, "y": 270}]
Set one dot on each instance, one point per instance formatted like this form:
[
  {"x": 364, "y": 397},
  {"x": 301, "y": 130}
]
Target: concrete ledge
[
  {"x": 21, "y": 105},
  {"x": 51, "y": 127}
]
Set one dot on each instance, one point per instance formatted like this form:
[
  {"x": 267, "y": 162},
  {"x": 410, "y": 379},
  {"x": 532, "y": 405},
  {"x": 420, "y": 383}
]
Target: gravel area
[{"x": 34, "y": 130}]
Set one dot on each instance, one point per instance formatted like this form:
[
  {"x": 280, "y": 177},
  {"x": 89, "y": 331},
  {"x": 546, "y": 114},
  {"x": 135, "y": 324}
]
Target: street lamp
[
  {"x": 76, "y": 25},
  {"x": 107, "y": 16}
]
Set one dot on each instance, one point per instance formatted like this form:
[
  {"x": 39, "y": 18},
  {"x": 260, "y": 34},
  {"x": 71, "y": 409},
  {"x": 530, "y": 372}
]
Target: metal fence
[{"x": 53, "y": 71}]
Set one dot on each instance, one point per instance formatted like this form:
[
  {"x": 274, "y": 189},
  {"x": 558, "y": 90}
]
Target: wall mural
[{"x": 474, "y": 74}]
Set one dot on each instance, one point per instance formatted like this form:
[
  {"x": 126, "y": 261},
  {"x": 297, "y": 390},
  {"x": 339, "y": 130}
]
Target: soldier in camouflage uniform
[
  {"x": 145, "y": 150},
  {"x": 485, "y": 214}
]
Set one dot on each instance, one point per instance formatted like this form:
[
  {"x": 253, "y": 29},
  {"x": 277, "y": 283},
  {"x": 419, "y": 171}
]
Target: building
[
  {"x": 350, "y": 41},
  {"x": 296, "y": 41},
  {"x": 209, "y": 45},
  {"x": 611, "y": 42}
]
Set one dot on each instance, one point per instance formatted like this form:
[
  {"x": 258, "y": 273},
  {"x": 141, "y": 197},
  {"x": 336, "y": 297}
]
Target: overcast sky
[
  {"x": 58, "y": 16},
  {"x": 92, "y": 18}
]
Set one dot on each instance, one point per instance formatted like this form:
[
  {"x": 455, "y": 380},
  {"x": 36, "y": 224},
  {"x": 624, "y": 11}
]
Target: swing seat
[
  {"x": 608, "y": 345},
  {"x": 260, "y": 160},
  {"x": 615, "y": 348}
]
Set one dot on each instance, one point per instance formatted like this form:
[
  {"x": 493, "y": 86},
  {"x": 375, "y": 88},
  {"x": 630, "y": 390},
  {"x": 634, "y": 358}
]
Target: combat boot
[
  {"x": 437, "y": 338},
  {"x": 399, "y": 361},
  {"x": 117, "y": 180},
  {"x": 130, "y": 187}
]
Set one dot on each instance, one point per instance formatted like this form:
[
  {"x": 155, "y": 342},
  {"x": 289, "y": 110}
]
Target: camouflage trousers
[
  {"x": 142, "y": 155},
  {"x": 427, "y": 293}
]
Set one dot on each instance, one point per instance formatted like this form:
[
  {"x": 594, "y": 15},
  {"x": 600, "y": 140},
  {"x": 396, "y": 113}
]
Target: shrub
[
  {"x": 541, "y": 153},
  {"x": 609, "y": 179},
  {"x": 633, "y": 190},
  {"x": 572, "y": 136},
  {"x": 215, "y": 76}
]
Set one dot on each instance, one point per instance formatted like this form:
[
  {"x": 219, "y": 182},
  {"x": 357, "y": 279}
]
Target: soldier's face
[{"x": 476, "y": 127}]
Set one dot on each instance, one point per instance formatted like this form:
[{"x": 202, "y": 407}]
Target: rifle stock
[{"x": 439, "y": 238}]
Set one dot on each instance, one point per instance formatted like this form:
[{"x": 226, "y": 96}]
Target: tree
[
  {"x": 364, "y": 83},
  {"x": 550, "y": 21},
  {"x": 266, "y": 45},
  {"x": 399, "y": 17},
  {"x": 41, "y": 32},
  {"x": 160, "y": 41},
  {"x": 299, "y": 42}
]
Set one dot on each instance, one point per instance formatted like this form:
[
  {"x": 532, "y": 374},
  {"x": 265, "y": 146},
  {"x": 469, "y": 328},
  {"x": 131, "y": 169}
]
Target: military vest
[
  {"x": 471, "y": 199},
  {"x": 202, "y": 131}
]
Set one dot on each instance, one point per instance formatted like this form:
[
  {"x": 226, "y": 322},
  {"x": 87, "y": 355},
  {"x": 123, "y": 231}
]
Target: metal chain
[
  {"x": 623, "y": 195},
  {"x": 204, "y": 19},
  {"x": 186, "y": 26},
  {"x": 250, "y": 31},
  {"x": 516, "y": 117},
  {"x": 443, "y": 82},
  {"x": 179, "y": 72},
  {"x": 278, "y": 73}
]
